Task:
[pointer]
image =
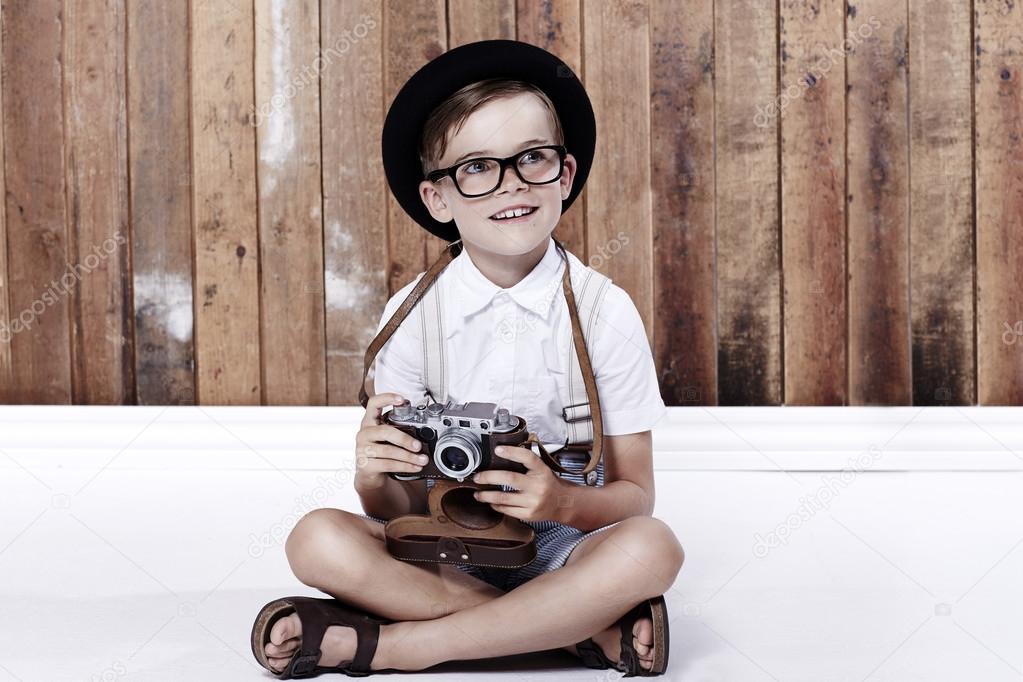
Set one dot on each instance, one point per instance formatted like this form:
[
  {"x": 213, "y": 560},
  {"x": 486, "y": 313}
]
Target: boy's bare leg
[
  {"x": 335, "y": 551},
  {"x": 617, "y": 569}
]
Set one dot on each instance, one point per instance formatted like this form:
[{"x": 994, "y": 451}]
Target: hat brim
[{"x": 452, "y": 70}]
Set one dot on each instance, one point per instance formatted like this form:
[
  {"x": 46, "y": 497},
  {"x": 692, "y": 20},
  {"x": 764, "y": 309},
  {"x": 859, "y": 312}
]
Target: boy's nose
[{"x": 511, "y": 180}]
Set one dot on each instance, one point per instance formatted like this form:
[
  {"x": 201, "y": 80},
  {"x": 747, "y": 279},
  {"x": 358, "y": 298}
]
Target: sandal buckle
[{"x": 305, "y": 664}]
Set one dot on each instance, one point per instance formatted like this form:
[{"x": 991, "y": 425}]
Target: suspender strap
[{"x": 431, "y": 313}]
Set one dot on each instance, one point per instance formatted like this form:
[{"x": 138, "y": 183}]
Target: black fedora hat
[{"x": 443, "y": 76}]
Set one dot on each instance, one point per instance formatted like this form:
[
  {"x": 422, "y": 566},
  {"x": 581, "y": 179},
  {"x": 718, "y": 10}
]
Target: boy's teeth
[{"x": 516, "y": 213}]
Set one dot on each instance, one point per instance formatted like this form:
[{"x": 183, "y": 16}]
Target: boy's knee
[
  {"x": 652, "y": 551},
  {"x": 317, "y": 535}
]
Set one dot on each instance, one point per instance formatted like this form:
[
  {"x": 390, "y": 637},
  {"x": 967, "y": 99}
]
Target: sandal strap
[
  {"x": 629, "y": 658},
  {"x": 319, "y": 614},
  {"x": 303, "y": 664},
  {"x": 307, "y": 657},
  {"x": 592, "y": 656},
  {"x": 366, "y": 646}
]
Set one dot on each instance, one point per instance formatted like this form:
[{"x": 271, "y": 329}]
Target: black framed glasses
[{"x": 483, "y": 174}]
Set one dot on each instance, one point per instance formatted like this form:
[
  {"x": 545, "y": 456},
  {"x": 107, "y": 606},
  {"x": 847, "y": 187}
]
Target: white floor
[{"x": 138, "y": 543}]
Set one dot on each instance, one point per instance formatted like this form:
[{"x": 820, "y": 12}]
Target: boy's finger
[
  {"x": 500, "y": 477},
  {"x": 515, "y": 512},
  {"x": 376, "y": 404},
  {"x": 521, "y": 455},
  {"x": 388, "y": 433},
  {"x": 497, "y": 497}
]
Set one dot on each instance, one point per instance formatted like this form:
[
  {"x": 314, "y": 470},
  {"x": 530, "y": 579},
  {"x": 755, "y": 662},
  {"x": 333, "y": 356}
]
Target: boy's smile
[{"x": 505, "y": 248}]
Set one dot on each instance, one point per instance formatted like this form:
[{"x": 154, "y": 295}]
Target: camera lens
[
  {"x": 454, "y": 459},
  {"x": 457, "y": 453}
]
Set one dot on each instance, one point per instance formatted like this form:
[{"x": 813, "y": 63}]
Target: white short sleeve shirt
[{"x": 511, "y": 347}]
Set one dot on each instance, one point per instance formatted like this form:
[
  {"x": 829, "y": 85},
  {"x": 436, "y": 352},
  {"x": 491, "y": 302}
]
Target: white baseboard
[{"x": 687, "y": 438}]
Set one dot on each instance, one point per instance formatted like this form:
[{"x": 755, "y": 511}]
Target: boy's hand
[
  {"x": 538, "y": 489},
  {"x": 382, "y": 448}
]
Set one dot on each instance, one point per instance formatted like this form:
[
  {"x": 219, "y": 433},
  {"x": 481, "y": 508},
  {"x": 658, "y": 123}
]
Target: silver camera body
[{"x": 459, "y": 438}]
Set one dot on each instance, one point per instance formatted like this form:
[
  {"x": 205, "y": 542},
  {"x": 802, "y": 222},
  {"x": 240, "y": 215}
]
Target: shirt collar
[{"x": 535, "y": 292}]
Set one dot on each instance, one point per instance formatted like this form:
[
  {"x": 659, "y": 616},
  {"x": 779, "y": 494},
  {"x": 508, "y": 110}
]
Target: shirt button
[{"x": 506, "y": 330}]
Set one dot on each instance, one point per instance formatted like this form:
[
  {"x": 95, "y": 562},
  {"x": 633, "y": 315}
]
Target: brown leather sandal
[
  {"x": 593, "y": 656},
  {"x": 316, "y": 616}
]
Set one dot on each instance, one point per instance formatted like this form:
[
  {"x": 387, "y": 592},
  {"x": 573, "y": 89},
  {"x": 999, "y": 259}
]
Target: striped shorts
[{"x": 554, "y": 542}]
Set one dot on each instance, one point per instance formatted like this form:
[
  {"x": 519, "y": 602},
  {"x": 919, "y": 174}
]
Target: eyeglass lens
[{"x": 481, "y": 175}]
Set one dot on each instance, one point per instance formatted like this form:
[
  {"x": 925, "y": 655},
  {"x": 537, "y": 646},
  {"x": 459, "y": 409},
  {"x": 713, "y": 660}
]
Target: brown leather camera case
[{"x": 460, "y": 530}]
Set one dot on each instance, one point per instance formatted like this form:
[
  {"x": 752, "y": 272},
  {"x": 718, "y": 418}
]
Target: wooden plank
[
  {"x": 472, "y": 20},
  {"x": 748, "y": 261},
  {"x": 941, "y": 203},
  {"x": 290, "y": 203},
  {"x": 878, "y": 167},
  {"x": 682, "y": 185},
  {"x": 999, "y": 213},
  {"x": 97, "y": 186},
  {"x": 557, "y": 28},
  {"x": 616, "y": 60},
  {"x": 224, "y": 197},
  {"x": 812, "y": 110},
  {"x": 158, "y": 142},
  {"x": 354, "y": 211},
  {"x": 414, "y": 33},
  {"x": 7, "y": 387},
  {"x": 37, "y": 243}
]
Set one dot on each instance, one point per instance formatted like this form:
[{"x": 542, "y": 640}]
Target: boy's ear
[
  {"x": 568, "y": 176},
  {"x": 435, "y": 202}
]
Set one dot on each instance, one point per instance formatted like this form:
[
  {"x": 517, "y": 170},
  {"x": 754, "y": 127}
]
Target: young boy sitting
[{"x": 602, "y": 559}]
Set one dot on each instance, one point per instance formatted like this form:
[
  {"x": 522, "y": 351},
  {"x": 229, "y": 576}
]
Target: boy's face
[{"x": 501, "y": 128}]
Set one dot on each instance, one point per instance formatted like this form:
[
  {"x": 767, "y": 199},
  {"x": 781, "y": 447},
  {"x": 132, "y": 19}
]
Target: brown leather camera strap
[
  {"x": 403, "y": 310},
  {"x": 578, "y": 339}
]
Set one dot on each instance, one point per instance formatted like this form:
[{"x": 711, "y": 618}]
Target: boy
[{"x": 600, "y": 553}]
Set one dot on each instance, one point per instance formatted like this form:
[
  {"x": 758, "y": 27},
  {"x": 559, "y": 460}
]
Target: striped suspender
[{"x": 435, "y": 367}]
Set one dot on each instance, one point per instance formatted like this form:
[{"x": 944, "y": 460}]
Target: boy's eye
[
  {"x": 531, "y": 155},
  {"x": 475, "y": 167}
]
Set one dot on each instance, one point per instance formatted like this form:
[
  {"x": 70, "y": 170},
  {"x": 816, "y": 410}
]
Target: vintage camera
[{"x": 459, "y": 438}]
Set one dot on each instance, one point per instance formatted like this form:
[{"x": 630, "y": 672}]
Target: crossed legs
[{"x": 442, "y": 613}]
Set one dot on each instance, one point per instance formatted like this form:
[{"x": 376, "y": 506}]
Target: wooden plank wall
[{"x": 811, "y": 202}]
